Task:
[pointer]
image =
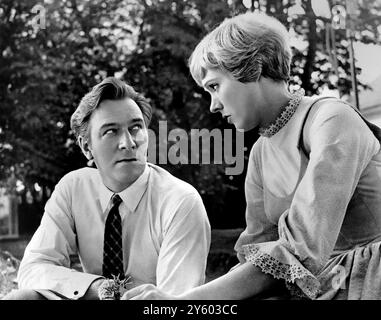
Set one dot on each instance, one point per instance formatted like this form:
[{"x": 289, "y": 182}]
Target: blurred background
[{"x": 52, "y": 52}]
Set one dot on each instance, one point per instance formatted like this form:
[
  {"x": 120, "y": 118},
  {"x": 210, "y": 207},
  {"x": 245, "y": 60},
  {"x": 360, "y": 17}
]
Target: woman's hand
[{"x": 147, "y": 292}]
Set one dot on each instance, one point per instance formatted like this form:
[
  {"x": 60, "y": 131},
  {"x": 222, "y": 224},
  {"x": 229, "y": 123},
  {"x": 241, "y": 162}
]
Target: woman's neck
[{"x": 275, "y": 98}]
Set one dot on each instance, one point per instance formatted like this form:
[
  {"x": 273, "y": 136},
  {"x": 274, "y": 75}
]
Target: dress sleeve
[
  {"x": 185, "y": 247},
  {"x": 341, "y": 147},
  {"x": 258, "y": 227},
  {"x": 46, "y": 262}
]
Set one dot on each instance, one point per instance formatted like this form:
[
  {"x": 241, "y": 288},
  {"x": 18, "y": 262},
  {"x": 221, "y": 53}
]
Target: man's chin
[{"x": 133, "y": 166}]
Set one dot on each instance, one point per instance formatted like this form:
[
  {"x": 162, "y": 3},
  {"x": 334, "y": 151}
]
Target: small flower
[{"x": 113, "y": 289}]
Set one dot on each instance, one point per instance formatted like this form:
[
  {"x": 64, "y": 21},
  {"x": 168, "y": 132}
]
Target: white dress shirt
[{"x": 166, "y": 234}]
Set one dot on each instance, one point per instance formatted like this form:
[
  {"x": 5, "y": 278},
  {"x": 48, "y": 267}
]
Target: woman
[{"x": 313, "y": 186}]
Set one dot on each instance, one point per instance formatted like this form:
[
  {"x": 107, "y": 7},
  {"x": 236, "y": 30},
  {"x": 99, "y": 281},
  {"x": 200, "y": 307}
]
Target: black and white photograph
[{"x": 190, "y": 150}]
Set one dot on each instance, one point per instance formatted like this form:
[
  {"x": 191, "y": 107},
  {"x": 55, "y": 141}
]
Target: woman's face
[{"x": 236, "y": 101}]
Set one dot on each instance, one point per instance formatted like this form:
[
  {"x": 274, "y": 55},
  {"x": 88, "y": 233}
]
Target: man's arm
[
  {"x": 92, "y": 291},
  {"x": 185, "y": 247},
  {"x": 46, "y": 261}
]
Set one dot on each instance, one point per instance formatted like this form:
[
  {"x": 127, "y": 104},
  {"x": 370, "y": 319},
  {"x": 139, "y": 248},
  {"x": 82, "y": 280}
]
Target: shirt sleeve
[
  {"x": 186, "y": 241},
  {"x": 258, "y": 227},
  {"x": 46, "y": 261},
  {"x": 341, "y": 147}
]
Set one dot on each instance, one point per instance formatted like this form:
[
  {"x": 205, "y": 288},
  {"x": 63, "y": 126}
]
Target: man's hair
[
  {"x": 247, "y": 47},
  {"x": 109, "y": 89}
]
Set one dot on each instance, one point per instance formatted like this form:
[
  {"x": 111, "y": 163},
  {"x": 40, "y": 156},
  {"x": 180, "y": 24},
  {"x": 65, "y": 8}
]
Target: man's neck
[{"x": 117, "y": 186}]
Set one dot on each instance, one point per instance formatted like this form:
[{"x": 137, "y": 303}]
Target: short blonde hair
[{"x": 247, "y": 46}]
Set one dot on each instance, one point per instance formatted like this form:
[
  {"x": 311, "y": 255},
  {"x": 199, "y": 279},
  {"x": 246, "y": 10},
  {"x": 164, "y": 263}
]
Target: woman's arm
[{"x": 243, "y": 282}]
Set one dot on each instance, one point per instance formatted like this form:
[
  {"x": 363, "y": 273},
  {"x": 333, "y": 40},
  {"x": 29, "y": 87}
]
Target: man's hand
[{"x": 92, "y": 291}]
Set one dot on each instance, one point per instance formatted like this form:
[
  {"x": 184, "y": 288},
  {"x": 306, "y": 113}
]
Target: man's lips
[{"x": 126, "y": 160}]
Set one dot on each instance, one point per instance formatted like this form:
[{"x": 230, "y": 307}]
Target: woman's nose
[{"x": 215, "y": 106}]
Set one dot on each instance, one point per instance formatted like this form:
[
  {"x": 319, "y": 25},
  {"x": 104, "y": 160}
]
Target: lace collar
[{"x": 284, "y": 117}]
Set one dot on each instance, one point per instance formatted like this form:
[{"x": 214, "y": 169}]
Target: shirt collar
[{"x": 131, "y": 196}]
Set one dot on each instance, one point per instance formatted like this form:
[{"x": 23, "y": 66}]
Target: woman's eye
[{"x": 213, "y": 86}]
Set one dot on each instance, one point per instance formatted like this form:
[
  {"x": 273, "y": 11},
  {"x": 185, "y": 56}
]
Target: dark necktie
[{"x": 112, "y": 248}]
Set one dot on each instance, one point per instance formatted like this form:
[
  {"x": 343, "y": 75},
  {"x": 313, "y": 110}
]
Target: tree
[
  {"x": 313, "y": 67},
  {"x": 44, "y": 73}
]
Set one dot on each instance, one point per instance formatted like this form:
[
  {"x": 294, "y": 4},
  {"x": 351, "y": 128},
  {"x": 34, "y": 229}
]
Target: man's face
[{"x": 118, "y": 142}]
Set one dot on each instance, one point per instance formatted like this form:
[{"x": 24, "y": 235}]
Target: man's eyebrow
[
  {"x": 115, "y": 124},
  {"x": 136, "y": 120},
  {"x": 109, "y": 124}
]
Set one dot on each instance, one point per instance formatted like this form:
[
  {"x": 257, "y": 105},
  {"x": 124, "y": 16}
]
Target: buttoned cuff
[
  {"x": 79, "y": 284},
  {"x": 71, "y": 286}
]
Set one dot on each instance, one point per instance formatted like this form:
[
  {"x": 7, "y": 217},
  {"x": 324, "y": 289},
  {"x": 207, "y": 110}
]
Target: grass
[{"x": 8, "y": 272}]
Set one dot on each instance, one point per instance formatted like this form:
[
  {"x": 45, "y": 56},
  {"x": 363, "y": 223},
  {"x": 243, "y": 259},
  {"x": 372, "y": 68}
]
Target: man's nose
[
  {"x": 126, "y": 141},
  {"x": 215, "y": 106}
]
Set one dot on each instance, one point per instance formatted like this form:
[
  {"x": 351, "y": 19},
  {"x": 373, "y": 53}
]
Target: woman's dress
[{"x": 315, "y": 220}]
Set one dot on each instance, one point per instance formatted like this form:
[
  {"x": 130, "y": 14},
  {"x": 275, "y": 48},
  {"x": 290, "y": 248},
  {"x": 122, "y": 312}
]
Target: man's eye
[
  {"x": 109, "y": 132},
  {"x": 136, "y": 127}
]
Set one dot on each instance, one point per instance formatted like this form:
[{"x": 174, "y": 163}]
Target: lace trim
[
  {"x": 284, "y": 117},
  {"x": 309, "y": 285},
  {"x": 296, "y": 292}
]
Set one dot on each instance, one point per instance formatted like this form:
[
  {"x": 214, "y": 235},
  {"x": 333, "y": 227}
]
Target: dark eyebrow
[
  {"x": 108, "y": 125},
  {"x": 135, "y": 120},
  {"x": 115, "y": 124}
]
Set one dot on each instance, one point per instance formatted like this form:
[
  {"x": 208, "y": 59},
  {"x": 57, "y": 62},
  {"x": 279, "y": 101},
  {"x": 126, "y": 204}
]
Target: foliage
[
  {"x": 45, "y": 72},
  {"x": 8, "y": 270},
  {"x": 313, "y": 67}
]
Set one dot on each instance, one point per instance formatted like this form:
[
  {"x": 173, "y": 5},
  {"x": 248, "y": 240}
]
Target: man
[{"x": 161, "y": 234}]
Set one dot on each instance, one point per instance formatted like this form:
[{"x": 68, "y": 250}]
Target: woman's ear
[{"x": 85, "y": 147}]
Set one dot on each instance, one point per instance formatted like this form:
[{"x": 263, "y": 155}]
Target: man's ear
[{"x": 85, "y": 147}]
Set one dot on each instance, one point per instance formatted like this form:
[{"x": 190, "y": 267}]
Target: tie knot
[{"x": 116, "y": 200}]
